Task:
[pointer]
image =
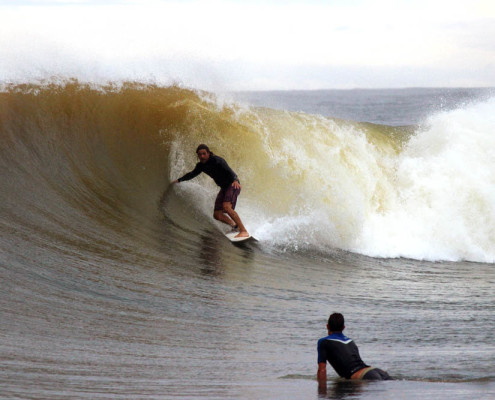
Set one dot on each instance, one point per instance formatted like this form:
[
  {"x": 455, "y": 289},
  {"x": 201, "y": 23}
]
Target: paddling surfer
[
  {"x": 230, "y": 187},
  {"x": 343, "y": 355}
]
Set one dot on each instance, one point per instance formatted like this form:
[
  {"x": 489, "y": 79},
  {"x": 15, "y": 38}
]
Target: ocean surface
[{"x": 379, "y": 204}]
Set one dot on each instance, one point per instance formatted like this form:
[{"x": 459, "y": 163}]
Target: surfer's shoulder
[{"x": 336, "y": 337}]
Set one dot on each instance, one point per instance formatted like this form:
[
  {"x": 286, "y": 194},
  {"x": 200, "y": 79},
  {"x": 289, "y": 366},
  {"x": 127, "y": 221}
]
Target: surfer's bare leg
[
  {"x": 220, "y": 216},
  {"x": 227, "y": 208}
]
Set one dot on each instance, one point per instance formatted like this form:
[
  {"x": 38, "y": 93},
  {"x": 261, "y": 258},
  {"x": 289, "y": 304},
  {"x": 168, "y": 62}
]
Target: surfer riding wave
[{"x": 230, "y": 187}]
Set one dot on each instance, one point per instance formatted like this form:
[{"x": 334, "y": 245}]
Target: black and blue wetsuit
[{"x": 343, "y": 355}]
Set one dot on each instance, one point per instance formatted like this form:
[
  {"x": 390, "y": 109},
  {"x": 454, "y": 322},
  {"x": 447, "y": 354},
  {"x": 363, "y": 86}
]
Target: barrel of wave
[{"x": 99, "y": 147}]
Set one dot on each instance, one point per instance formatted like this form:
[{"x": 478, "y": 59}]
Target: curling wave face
[{"x": 73, "y": 155}]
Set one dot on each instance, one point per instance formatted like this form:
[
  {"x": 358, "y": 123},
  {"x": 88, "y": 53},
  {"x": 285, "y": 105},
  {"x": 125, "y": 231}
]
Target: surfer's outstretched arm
[{"x": 190, "y": 175}]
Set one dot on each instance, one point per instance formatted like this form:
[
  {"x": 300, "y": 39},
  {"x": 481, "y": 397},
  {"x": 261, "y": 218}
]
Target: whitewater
[{"x": 442, "y": 206}]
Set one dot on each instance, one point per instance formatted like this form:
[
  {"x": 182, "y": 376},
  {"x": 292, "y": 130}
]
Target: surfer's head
[
  {"x": 203, "y": 153},
  {"x": 336, "y": 322}
]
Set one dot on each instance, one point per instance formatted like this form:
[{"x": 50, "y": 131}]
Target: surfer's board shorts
[
  {"x": 372, "y": 374},
  {"x": 226, "y": 195}
]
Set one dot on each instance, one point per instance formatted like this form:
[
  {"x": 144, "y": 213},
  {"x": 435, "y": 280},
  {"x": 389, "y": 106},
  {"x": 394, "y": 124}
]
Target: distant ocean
[
  {"x": 394, "y": 107},
  {"x": 379, "y": 204}
]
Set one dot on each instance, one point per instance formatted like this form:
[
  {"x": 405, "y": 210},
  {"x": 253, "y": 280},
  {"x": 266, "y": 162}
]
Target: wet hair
[
  {"x": 203, "y": 147},
  {"x": 336, "y": 322}
]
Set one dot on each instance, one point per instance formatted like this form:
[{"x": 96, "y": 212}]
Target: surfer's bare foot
[{"x": 242, "y": 234}]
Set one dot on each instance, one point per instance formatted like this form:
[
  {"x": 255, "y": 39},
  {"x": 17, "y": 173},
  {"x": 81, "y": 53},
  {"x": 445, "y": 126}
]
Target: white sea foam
[
  {"x": 444, "y": 208},
  {"x": 435, "y": 200}
]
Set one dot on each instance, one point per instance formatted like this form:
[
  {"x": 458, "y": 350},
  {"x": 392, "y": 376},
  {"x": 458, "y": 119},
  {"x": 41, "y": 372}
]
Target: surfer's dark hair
[
  {"x": 203, "y": 147},
  {"x": 336, "y": 322}
]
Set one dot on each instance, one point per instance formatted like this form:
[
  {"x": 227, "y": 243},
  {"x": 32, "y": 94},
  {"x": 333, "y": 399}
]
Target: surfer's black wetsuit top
[
  {"x": 342, "y": 354},
  {"x": 217, "y": 168}
]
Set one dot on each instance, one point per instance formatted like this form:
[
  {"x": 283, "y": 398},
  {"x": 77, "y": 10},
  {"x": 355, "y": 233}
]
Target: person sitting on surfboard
[
  {"x": 230, "y": 187},
  {"x": 343, "y": 355}
]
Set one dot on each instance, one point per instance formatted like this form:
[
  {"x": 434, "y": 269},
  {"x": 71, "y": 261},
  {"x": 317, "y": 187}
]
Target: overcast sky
[{"x": 257, "y": 45}]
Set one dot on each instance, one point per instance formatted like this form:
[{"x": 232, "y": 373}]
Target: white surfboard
[{"x": 232, "y": 237}]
